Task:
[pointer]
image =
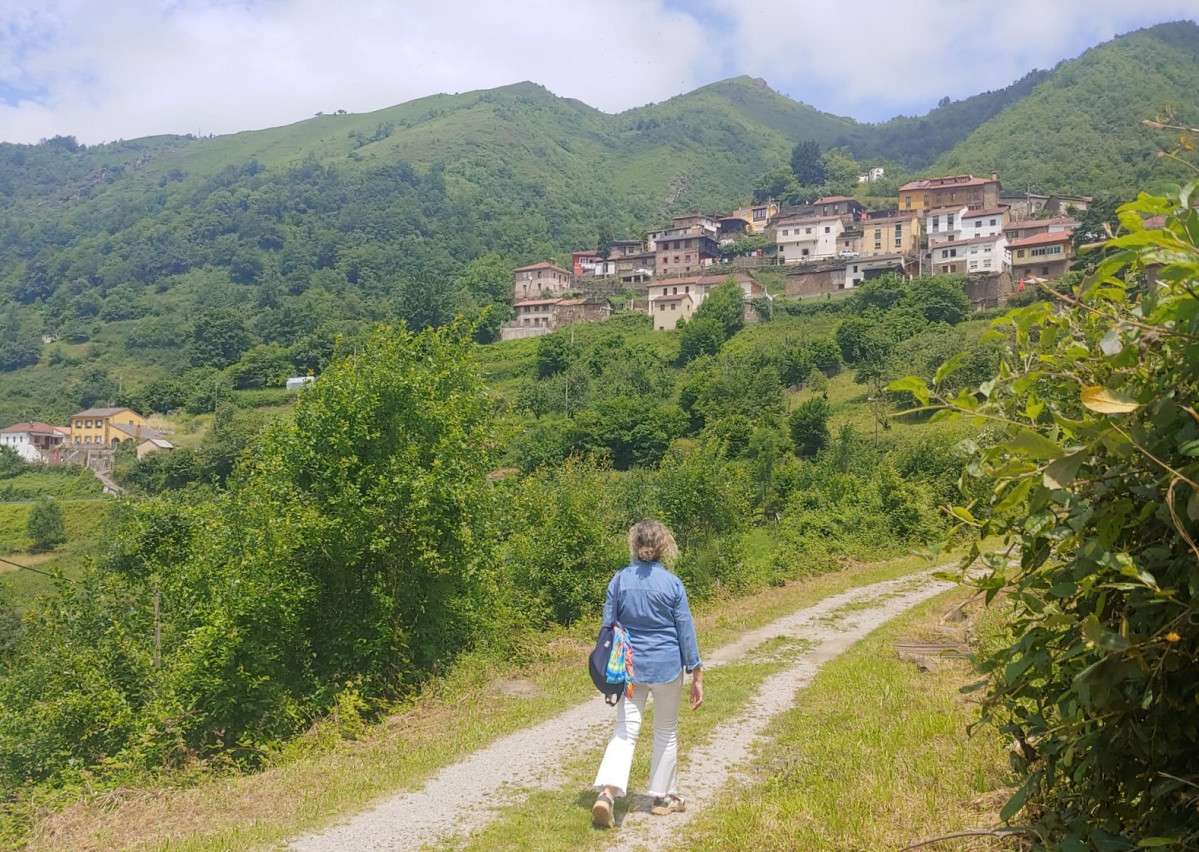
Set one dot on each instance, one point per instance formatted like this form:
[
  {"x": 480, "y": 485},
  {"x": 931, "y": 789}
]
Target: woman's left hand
[{"x": 697, "y": 689}]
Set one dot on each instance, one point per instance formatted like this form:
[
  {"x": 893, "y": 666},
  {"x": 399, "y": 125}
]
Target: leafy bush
[{"x": 1094, "y": 483}]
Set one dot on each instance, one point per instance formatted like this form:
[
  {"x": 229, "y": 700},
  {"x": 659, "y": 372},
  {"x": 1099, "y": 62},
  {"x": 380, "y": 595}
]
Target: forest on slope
[{"x": 170, "y": 271}]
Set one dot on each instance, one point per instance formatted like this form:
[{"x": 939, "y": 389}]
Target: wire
[{"x": 34, "y": 570}]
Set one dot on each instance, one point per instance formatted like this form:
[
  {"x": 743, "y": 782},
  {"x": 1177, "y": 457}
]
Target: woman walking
[{"x": 652, "y": 608}]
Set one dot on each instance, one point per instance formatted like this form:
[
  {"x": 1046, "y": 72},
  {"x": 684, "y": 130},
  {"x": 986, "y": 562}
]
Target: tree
[
  {"x": 1092, "y": 479},
  {"x": 778, "y": 183},
  {"x": 46, "y": 526},
  {"x": 726, "y": 305},
  {"x": 554, "y": 354},
  {"x": 806, "y": 164},
  {"x": 808, "y": 425},
  {"x": 699, "y": 336},
  {"x": 219, "y": 338},
  {"x": 603, "y": 245}
]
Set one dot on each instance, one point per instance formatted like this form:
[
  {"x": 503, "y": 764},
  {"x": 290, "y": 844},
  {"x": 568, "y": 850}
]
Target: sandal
[
  {"x": 601, "y": 812},
  {"x": 668, "y": 805}
]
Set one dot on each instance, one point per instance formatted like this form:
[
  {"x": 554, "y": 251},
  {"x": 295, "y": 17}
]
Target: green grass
[{"x": 875, "y": 755}]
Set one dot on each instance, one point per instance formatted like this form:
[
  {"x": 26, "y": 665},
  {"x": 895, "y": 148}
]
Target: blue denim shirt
[{"x": 653, "y": 609}]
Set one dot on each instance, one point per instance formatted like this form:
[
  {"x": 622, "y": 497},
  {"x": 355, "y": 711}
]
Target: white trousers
[{"x": 618, "y": 758}]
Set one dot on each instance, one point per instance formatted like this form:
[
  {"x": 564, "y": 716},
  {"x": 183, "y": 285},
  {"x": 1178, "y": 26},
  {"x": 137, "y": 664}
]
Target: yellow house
[
  {"x": 107, "y": 426},
  {"x": 757, "y": 217}
]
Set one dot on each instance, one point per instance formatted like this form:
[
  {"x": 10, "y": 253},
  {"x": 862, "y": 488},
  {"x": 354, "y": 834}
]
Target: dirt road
[{"x": 448, "y": 805}]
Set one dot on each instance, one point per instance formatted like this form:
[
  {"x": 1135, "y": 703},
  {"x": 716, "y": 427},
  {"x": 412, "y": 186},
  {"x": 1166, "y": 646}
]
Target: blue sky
[{"x": 126, "y": 68}]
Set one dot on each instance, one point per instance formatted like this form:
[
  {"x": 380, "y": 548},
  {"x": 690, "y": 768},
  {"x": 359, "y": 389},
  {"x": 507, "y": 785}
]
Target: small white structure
[{"x": 297, "y": 382}]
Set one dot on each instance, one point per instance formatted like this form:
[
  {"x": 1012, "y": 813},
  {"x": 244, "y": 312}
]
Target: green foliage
[
  {"x": 699, "y": 336},
  {"x": 808, "y": 426},
  {"x": 806, "y": 163},
  {"x": 46, "y": 527},
  {"x": 1092, "y": 480},
  {"x": 567, "y": 541},
  {"x": 353, "y": 545}
]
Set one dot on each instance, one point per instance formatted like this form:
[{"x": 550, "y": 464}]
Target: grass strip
[
  {"x": 560, "y": 820},
  {"x": 875, "y": 755}
]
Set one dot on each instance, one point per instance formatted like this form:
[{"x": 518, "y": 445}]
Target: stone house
[{"x": 540, "y": 280}]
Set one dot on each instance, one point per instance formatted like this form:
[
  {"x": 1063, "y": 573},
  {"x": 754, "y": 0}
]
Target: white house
[
  {"x": 34, "y": 441},
  {"x": 297, "y": 382},
  {"x": 944, "y": 224},
  {"x": 983, "y": 223},
  {"x": 810, "y": 238},
  {"x": 987, "y": 253}
]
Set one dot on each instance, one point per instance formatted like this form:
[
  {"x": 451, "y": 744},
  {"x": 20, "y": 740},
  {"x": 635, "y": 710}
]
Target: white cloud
[
  {"x": 879, "y": 55},
  {"x": 128, "y": 68}
]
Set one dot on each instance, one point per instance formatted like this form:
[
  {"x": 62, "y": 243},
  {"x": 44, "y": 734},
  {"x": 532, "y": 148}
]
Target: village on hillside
[{"x": 957, "y": 224}]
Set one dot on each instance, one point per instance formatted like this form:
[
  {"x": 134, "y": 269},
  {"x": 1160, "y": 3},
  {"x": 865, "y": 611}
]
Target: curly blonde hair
[{"x": 650, "y": 541}]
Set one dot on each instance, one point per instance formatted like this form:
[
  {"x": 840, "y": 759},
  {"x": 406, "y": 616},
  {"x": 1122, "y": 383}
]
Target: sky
[{"x": 101, "y": 70}]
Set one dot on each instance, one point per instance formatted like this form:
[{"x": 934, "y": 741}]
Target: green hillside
[
  {"x": 1081, "y": 129},
  {"x": 169, "y": 271}
]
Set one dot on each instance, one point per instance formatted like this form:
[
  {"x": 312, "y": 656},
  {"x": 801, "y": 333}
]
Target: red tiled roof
[
  {"x": 542, "y": 265},
  {"x": 833, "y": 199},
  {"x": 677, "y": 298},
  {"x": 1042, "y": 239},
  {"x": 948, "y": 181},
  {"x": 34, "y": 426},
  {"x": 529, "y": 302}
]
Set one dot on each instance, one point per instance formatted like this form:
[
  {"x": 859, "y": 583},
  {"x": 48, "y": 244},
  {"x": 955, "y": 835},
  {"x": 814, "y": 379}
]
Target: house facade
[
  {"x": 810, "y": 238},
  {"x": 108, "y": 426},
  {"x": 891, "y": 235},
  {"x": 688, "y": 245},
  {"x": 666, "y": 311},
  {"x": 944, "y": 224},
  {"x": 757, "y": 216},
  {"x": 540, "y": 279},
  {"x": 849, "y": 209},
  {"x": 930, "y": 193},
  {"x": 34, "y": 441},
  {"x": 1041, "y": 256}
]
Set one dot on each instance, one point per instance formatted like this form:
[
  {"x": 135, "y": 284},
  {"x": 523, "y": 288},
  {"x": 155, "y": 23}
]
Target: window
[
  {"x": 77, "y": 439},
  {"x": 992, "y": 222},
  {"x": 898, "y": 243},
  {"x": 674, "y": 306},
  {"x": 878, "y": 233},
  {"x": 898, "y": 229},
  {"x": 687, "y": 288},
  {"x": 784, "y": 232},
  {"x": 978, "y": 223},
  {"x": 827, "y": 229},
  {"x": 674, "y": 291},
  {"x": 687, "y": 258},
  {"x": 87, "y": 439},
  {"x": 1020, "y": 253},
  {"x": 807, "y": 230},
  {"x": 936, "y": 222},
  {"x": 676, "y": 258},
  {"x": 78, "y": 425},
  {"x": 908, "y": 202},
  {"x": 804, "y": 253},
  {"x": 878, "y": 244},
  {"x": 949, "y": 221}
]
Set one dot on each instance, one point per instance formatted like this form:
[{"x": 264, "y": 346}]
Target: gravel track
[{"x": 525, "y": 761}]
